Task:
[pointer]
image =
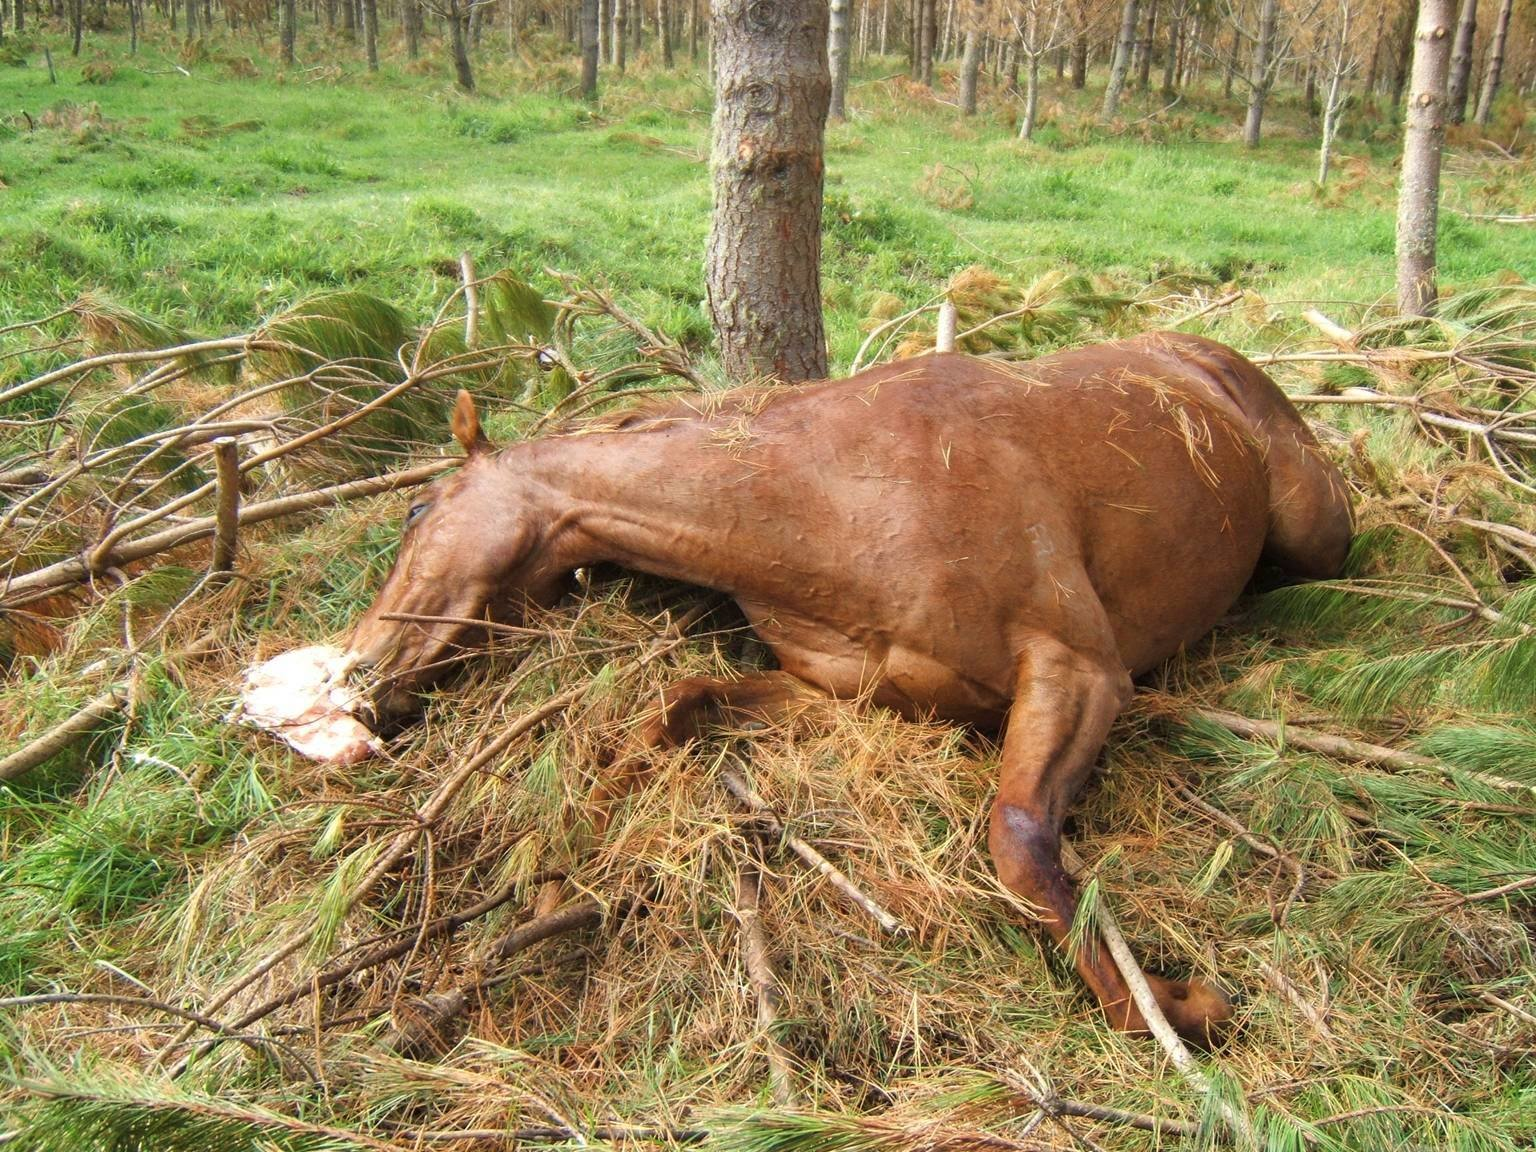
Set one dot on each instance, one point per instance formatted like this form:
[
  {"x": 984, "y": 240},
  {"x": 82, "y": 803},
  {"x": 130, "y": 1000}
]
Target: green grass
[{"x": 212, "y": 199}]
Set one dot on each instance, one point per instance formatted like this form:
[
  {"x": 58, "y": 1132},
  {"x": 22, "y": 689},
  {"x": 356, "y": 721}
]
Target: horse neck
[{"x": 647, "y": 500}]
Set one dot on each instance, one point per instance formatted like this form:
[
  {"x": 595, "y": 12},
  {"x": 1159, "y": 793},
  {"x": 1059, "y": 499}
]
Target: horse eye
[{"x": 414, "y": 514}]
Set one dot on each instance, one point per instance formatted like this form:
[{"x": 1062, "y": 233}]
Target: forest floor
[{"x": 1371, "y": 905}]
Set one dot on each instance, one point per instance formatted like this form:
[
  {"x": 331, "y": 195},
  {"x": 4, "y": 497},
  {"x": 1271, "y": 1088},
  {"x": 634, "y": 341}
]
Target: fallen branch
[
  {"x": 427, "y": 815},
  {"x": 1152, "y": 1012},
  {"x": 226, "y": 521},
  {"x": 61, "y": 736},
  {"x": 760, "y": 808},
  {"x": 1344, "y": 748},
  {"x": 754, "y": 952},
  {"x": 423, "y": 1023},
  {"x": 43, "y": 581},
  {"x": 1054, "y": 1105}
]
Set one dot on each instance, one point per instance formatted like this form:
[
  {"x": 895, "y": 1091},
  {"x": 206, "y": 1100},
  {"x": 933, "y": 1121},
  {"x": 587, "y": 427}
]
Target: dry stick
[
  {"x": 949, "y": 323},
  {"x": 1339, "y": 335},
  {"x": 1063, "y": 1106},
  {"x": 255, "y": 1043},
  {"x": 1343, "y": 747},
  {"x": 421, "y": 1023},
  {"x": 739, "y": 788},
  {"x": 42, "y": 581},
  {"x": 226, "y": 521},
  {"x": 1152, "y": 1012},
  {"x": 549, "y": 1134},
  {"x": 56, "y": 739},
  {"x": 1283, "y": 984},
  {"x": 1514, "y": 1010},
  {"x": 382, "y": 953},
  {"x": 471, "y": 299},
  {"x": 754, "y": 951},
  {"x": 428, "y": 814},
  {"x": 240, "y": 343}
]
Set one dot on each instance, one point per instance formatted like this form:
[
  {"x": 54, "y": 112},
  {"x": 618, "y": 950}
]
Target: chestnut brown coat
[{"x": 945, "y": 536}]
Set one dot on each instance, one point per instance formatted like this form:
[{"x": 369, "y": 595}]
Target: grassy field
[
  {"x": 1374, "y": 914},
  {"x": 213, "y": 199}
]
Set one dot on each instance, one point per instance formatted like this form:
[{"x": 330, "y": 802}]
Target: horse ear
[{"x": 466, "y": 425}]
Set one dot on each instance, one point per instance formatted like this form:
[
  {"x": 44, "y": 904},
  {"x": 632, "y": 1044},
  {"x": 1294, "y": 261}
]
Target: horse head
[{"x": 469, "y": 556}]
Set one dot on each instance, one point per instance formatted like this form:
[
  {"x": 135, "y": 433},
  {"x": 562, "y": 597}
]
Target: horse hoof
[{"x": 1201, "y": 1013}]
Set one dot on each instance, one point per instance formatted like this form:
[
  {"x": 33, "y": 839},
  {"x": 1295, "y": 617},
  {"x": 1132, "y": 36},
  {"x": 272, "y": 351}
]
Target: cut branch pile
[{"x": 1326, "y": 807}]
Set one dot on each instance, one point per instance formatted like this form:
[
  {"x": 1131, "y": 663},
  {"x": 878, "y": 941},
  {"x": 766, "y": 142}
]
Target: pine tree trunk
[
  {"x": 763, "y": 260},
  {"x": 929, "y": 36},
  {"x": 371, "y": 33},
  {"x": 1144, "y": 75},
  {"x": 970, "y": 70},
  {"x": 458, "y": 20},
  {"x": 412, "y": 18},
  {"x": 1122, "y": 62},
  {"x": 1373, "y": 67},
  {"x": 289, "y": 17},
  {"x": 590, "y": 23},
  {"x": 76, "y": 24},
  {"x": 1460, "y": 80},
  {"x": 1170, "y": 65},
  {"x": 693, "y": 31},
  {"x": 1402, "y": 57},
  {"x": 191, "y": 14},
  {"x": 1080, "y": 61},
  {"x": 1031, "y": 98},
  {"x": 1418, "y": 197},
  {"x": 837, "y": 57},
  {"x": 1259, "y": 72},
  {"x": 667, "y": 59},
  {"x": 617, "y": 39},
  {"x": 1495, "y": 68}
]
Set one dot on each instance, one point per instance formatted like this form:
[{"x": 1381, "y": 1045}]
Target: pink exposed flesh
[{"x": 299, "y": 698}]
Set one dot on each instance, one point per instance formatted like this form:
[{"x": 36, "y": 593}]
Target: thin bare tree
[{"x": 1418, "y": 198}]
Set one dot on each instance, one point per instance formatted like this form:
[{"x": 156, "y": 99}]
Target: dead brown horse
[{"x": 944, "y": 536}]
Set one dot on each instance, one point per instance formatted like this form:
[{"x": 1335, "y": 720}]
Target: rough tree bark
[
  {"x": 763, "y": 261},
  {"x": 1122, "y": 63},
  {"x": 412, "y": 19},
  {"x": 371, "y": 33},
  {"x": 837, "y": 57},
  {"x": 1144, "y": 49},
  {"x": 1080, "y": 60},
  {"x": 590, "y": 23},
  {"x": 1259, "y": 72},
  {"x": 970, "y": 64},
  {"x": 458, "y": 21},
  {"x": 1495, "y": 68},
  {"x": 290, "y": 27},
  {"x": 1418, "y": 197},
  {"x": 1460, "y": 81}
]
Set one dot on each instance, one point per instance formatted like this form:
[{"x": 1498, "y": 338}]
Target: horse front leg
[{"x": 1064, "y": 705}]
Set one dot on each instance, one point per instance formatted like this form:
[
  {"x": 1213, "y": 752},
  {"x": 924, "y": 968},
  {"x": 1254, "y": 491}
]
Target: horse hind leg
[{"x": 1063, "y": 710}]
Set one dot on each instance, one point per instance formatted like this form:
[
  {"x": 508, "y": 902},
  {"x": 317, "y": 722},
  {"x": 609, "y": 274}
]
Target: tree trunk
[
  {"x": 617, "y": 39},
  {"x": 837, "y": 57},
  {"x": 371, "y": 33},
  {"x": 970, "y": 70},
  {"x": 349, "y": 19},
  {"x": 1418, "y": 197},
  {"x": 289, "y": 19},
  {"x": 1031, "y": 98},
  {"x": 1080, "y": 60},
  {"x": 1495, "y": 67},
  {"x": 1144, "y": 74},
  {"x": 590, "y": 23},
  {"x": 21, "y": 16},
  {"x": 667, "y": 60},
  {"x": 1402, "y": 56},
  {"x": 928, "y": 36},
  {"x": 458, "y": 19},
  {"x": 1122, "y": 62},
  {"x": 693, "y": 31},
  {"x": 1258, "y": 73},
  {"x": 191, "y": 15},
  {"x": 1372, "y": 68},
  {"x": 1170, "y": 65},
  {"x": 412, "y": 19},
  {"x": 1460, "y": 80},
  {"x": 763, "y": 260}
]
